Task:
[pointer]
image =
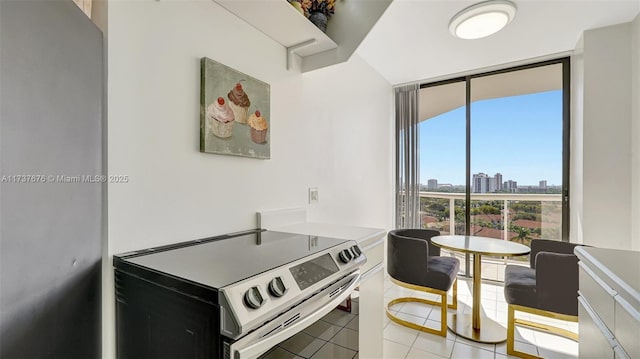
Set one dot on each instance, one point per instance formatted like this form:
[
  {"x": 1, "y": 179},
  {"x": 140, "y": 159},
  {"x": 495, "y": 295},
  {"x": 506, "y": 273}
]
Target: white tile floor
[{"x": 401, "y": 342}]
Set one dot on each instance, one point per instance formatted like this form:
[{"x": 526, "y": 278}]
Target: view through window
[{"x": 516, "y": 169}]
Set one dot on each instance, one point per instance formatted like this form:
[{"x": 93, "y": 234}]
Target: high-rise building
[
  {"x": 432, "y": 184},
  {"x": 511, "y": 186},
  {"x": 498, "y": 178},
  {"x": 493, "y": 185},
  {"x": 543, "y": 184},
  {"x": 480, "y": 183}
]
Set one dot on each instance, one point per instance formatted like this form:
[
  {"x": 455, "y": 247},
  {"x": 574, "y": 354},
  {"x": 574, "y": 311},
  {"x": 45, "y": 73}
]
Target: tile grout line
[{"x": 414, "y": 342}]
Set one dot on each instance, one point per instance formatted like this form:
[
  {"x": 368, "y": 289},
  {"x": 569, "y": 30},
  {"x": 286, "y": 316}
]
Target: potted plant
[{"x": 319, "y": 11}]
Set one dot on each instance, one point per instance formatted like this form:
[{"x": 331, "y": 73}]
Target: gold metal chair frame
[
  {"x": 512, "y": 322},
  {"x": 442, "y": 304}
]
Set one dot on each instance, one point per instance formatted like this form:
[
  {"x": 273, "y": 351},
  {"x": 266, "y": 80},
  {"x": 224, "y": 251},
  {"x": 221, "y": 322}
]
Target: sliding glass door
[{"x": 494, "y": 155}]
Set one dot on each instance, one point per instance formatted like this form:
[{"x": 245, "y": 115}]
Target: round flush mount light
[{"x": 482, "y": 19}]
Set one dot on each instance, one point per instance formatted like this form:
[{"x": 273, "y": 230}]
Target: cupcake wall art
[{"x": 234, "y": 112}]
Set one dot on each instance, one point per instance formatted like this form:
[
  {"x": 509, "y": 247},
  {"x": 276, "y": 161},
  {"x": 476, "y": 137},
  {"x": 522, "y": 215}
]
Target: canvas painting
[{"x": 234, "y": 112}]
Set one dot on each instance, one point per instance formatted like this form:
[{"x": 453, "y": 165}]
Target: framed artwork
[{"x": 234, "y": 112}]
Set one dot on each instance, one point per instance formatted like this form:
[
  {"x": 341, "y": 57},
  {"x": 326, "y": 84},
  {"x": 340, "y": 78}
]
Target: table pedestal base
[{"x": 490, "y": 331}]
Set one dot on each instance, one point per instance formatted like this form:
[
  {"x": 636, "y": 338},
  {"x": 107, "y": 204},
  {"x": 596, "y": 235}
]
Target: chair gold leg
[
  {"x": 547, "y": 328},
  {"x": 443, "y": 315},
  {"x": 454, "y": 304},
  {"x": 442, "y": 303},
  {"x": 513, "y": 322},
  {"x": 443, "y": 328},
  {"x": 511, "y": 328},
  {"x": 511, "y": 333}
]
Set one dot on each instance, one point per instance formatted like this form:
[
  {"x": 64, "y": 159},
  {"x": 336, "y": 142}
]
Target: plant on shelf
[
  {"x": 317, "y": 11},
  {"x": 327, "y": 7}
]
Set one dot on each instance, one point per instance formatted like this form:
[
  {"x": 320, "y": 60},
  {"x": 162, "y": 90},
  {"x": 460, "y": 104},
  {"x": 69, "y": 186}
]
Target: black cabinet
[{"x": 154, "y": 321}]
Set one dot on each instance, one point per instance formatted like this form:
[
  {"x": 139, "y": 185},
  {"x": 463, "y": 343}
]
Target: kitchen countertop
[{"x": 358, "y": 234}]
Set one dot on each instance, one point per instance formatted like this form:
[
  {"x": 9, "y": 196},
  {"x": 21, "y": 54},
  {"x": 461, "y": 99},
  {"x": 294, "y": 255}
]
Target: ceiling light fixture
[{"x": 482, "y": 19}]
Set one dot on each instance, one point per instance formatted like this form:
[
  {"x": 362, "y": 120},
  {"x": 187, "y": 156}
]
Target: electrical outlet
[{"x": 313, "y": 195}]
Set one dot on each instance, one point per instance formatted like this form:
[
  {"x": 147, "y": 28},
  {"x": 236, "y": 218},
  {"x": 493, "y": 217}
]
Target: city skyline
[
  {"x": 537, "y": 182},
  {"x": 518, "y": 136},
  {"x": 495, "y": 186}
]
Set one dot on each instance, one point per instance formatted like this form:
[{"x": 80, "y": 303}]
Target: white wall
[
  {"x": 635, "y": 134},
  {"x": 330, "y": 129},
  {"x": 603, "y": 142}
]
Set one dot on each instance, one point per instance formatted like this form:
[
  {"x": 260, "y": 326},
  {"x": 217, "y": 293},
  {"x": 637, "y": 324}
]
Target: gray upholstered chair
[
  {"x": 549, "y": 287},
  {"x": 414, "y": 262}
]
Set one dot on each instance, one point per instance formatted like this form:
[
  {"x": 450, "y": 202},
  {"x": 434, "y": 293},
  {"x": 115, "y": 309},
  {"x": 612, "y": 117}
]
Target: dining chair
[
  {"x": 548, "y": 287},
  {"x": 413, "y": 262}
]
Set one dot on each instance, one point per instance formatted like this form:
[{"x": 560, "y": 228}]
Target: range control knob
[
  {"x": 356, "y": 251},
  {"x": 253, "y": 299},
  {"x": 277, "y": 287},
  {"x": 345, "y": 256}
]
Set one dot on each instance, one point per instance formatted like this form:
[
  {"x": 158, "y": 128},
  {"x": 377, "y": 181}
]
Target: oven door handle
[{"x": 256, "y": 343}]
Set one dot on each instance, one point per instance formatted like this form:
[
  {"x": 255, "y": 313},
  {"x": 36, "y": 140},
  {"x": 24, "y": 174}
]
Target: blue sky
[{"x": 518, "y": 136}]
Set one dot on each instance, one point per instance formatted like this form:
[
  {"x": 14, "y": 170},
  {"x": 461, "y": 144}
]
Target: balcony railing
[
  {"x": 508, "y": 216},
  {"x": 505, "y": 198}
]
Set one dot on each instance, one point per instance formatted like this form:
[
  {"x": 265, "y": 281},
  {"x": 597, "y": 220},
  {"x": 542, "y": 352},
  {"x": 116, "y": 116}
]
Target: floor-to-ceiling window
[{"x": 494, "y": 156}]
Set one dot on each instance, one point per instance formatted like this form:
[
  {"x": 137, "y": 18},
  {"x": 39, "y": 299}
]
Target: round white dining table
[{"x": 475, "y": 326}]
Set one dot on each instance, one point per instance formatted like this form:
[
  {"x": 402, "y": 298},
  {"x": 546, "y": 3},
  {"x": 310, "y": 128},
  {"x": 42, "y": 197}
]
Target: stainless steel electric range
[{"x": 232, "y": 296}]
